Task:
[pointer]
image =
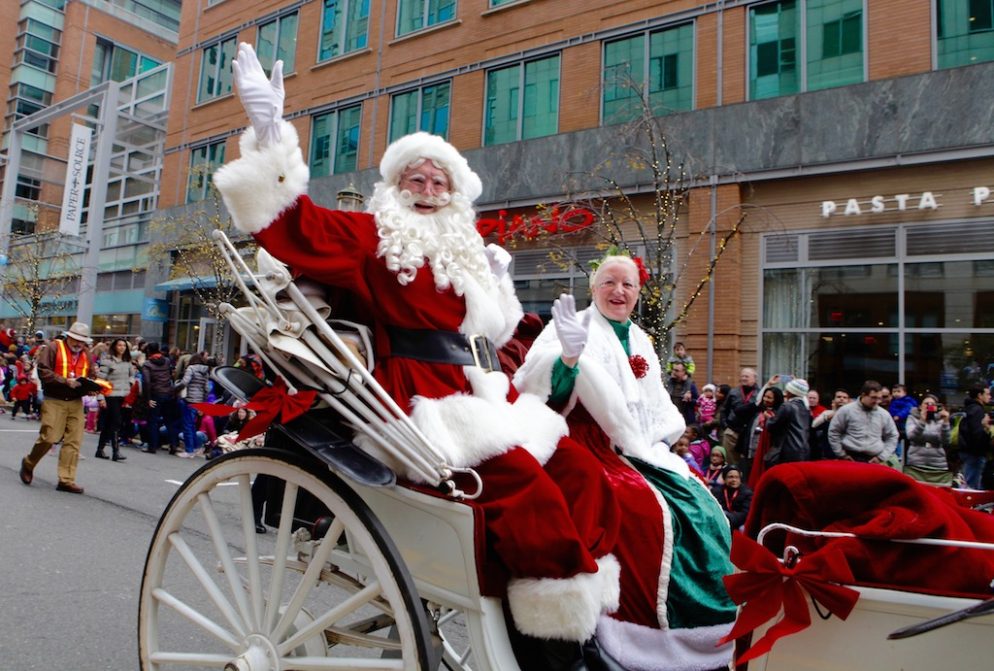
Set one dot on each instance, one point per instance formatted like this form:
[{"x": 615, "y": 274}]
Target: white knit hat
[
  {"x": 798, "y": 386},
  {"x": 408, "y": 149}
]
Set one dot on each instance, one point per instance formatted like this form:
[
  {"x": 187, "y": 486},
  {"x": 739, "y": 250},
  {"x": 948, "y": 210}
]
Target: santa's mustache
[{"x": 409, "y": 199}]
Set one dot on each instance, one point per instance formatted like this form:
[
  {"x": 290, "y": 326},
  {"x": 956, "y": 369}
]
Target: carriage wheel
[{"x": 215, "y": 594}]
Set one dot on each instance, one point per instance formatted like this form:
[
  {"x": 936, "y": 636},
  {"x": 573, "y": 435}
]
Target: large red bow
[
  {"x": 268, "y": 403},
  {"x": 766, "y": 585}
]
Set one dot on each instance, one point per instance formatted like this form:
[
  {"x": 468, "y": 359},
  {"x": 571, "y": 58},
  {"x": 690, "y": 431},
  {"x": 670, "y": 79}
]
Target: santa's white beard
[{"x": 447, "y": 238}]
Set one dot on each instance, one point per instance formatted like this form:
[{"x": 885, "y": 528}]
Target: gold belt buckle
[{"x": 478, "y": 342}]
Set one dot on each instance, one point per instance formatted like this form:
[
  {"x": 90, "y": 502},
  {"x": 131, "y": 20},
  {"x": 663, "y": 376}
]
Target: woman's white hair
[{"x": 614, "y": 260}]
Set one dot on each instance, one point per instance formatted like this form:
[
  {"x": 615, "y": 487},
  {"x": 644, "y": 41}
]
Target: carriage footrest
[{"x": 314, "y": 436}]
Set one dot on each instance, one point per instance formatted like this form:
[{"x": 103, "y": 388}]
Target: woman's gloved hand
[
  {"x": 262, "y": 98},
  {"x": 571, "y": 328}
]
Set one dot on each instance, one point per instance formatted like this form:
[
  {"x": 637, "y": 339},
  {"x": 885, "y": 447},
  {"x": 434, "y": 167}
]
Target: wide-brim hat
[
  {"x": 408, "y": 149},
  {"x": 79, "y": 331}
]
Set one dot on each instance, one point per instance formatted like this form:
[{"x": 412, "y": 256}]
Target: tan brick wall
[
  {"x": 899, "y": 38},
  {"x": 706, "y": 77}
]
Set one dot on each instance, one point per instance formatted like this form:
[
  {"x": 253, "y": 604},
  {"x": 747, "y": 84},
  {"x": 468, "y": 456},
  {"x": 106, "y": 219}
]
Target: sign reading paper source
[{"x": 72, "y": 196}]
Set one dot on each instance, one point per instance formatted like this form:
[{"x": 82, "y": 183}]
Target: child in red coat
[{"x": 24, "y": 395}]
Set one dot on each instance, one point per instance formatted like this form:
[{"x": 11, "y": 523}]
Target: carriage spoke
[
  {"x": 309, "y": 580},
  {"x": 228, "y": 564},
  {"x": 196, "y": 617},
  {"x": 347, "y": 607},
  {"x": 205, "y": 580},
  {"x": 329, "y": 664},
  {"x": 248, "y": 531},
  {"x": 187, "y": 658},
  {"x": 280, "y": 554}
]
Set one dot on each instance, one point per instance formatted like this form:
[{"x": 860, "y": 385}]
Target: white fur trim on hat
[{"x": 408, "y": 149}]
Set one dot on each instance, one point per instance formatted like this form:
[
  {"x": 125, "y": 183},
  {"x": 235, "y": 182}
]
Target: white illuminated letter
[
  {"x": 852, "y": 207},
  {"x": 877, "y": 204},
  {"x": 928, "y": 202},
  {"x": 980, "y": 194},
  {"x": 902, "y": 200},
  {"x": 827, "y": 208}
]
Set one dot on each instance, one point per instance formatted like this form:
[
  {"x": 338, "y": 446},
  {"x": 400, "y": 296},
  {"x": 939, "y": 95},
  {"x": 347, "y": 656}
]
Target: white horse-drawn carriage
[{"x": 357, "y": 572}]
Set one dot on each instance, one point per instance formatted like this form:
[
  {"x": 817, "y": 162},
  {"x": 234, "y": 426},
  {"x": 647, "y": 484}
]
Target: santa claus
[{"x": 440, "y": 302}]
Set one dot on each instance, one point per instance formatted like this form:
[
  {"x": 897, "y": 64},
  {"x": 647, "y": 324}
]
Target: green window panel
[
  {"x": 658, "y": 65},
  {"x": 773, "y": 31},
  {"x": 425, "y": 109},
  {"x": 277, "y": 40},
  {"x": 215, "y": 70},
  {"x": 335, "y": 141},
  {"x": 203, "y": 162},
  {"x": 414, "y": 15},
  {"x": 511, "y": 116},
  {"x": 343, "y": 35},
  {"x": 834, "y": 43},
  {"x": 964, "y": 32}
]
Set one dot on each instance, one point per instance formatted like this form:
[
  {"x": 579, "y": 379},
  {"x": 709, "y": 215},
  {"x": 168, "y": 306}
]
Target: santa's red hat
[{"x": 408, "y": 149}]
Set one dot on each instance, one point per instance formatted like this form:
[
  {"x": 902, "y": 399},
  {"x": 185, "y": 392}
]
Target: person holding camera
[{"x": 928, "y": 432}]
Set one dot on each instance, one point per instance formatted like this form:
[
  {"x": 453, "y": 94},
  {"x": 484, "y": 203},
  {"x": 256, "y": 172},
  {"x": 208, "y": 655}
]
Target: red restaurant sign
[{"x": 551, "y": 222}]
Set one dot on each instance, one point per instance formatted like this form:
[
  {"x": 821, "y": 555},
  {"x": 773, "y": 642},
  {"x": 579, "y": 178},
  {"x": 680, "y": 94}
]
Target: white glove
[
  {"x": 571, "y": 329},
  {"x": 262, "y": 98},
  {"x": 499, "y": 260}
]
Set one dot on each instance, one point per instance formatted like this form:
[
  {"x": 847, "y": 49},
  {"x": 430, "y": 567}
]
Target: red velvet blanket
[{"x": 876, "y": 502}]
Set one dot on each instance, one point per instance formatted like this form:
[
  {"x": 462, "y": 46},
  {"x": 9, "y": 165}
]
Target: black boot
[
  {"x": 116, "y": 451},
  {"x": 100, "y": 453}
]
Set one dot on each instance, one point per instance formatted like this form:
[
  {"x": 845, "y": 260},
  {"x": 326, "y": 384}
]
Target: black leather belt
[{"x": 443, "y": 347}]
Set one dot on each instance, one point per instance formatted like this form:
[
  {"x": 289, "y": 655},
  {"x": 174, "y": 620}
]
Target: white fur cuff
[
  {"x": 265, "y": 181},
  {"x": 564, "y": 609},
  {"x": 609, "y": 570}
]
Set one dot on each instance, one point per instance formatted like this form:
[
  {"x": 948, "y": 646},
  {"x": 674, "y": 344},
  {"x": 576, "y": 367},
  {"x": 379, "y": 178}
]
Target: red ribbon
[
  {"x": 766, "y": 585},
  {"x": 268, "y": 403}
]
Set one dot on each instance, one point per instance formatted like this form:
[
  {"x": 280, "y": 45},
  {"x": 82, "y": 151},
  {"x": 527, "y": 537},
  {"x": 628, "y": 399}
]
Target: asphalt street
[{"x": 72, "y": 565}]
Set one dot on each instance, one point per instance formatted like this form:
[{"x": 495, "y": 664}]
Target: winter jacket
[
  {"x": 739, "y": 408},
  {"x": 870, "y": 433},
  {"x": 927, "y": 442},
  {"x": 53, "y": 384},
  {"x": 973, "y": 437},
  {"x": 118, "y": 372},
  {"x": 195, "y": 380},
  {"x": 900, "y": 408},
  {"x": 157, "y": 378},
  {"x": 735, "y": 506},
  {"x": 790, "y": 431}
]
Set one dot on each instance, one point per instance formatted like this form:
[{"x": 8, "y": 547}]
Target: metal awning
[{"x": 187, "y": 283}]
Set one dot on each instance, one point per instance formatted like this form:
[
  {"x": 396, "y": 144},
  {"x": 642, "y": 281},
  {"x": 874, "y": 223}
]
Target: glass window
[
  {"x": 414, "y": 15},
  {"x": 498, "y": 3},
  {"x": 425, "y": 109},
  {"x": 277, "y": 40},
  {"x": 964, "y": 32},
  {"x": 537, "y": 109},
  {"x": 834, "y": 297},
  {"x": 667, "y": 55},
  {"x": 834, "y": 43},
  {"x": 773, "y": 32},
  {"x": 948, "y": 363},
  {"x": 215, "y": 69},
  {"x": 203, "y": 162},
  {"x": 343, "y": 35},
  {"x": 949, "y": 294},
  {"x": 335, "y": 141}
]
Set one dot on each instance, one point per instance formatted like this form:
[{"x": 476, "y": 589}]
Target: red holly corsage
[
  {"x": 639, "y": 365},
  {"x": 643, "y": 271}
]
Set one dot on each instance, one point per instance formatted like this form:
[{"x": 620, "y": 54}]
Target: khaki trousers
[
  {"x": 60, "y": 420},
  {"x": 729, "y": 439}
]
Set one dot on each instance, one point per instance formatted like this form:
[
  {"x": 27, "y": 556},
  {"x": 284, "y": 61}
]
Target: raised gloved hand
[
  {"x": 498, "y": 258},
  {"x": 571, "y": 329},
  {"x": 262, "y": 98}
]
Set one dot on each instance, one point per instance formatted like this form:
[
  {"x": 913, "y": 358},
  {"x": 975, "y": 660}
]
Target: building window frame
[
  {"x": 326, "y": 156},
  {"x": 215, "y": 69},
  {"x": 438, "y": 114},
  {"x": 430, "y": 13},
  {"x": 281, "y": 44},
  {"x": 519, "y": 103},
  {"x": 643, "y": 83},
  {"x": 204, "y": 160},
  {"x": 974, "y": 41},
  {"x": 807, "y": 36},
  {"x": 338, "y": 38}
]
